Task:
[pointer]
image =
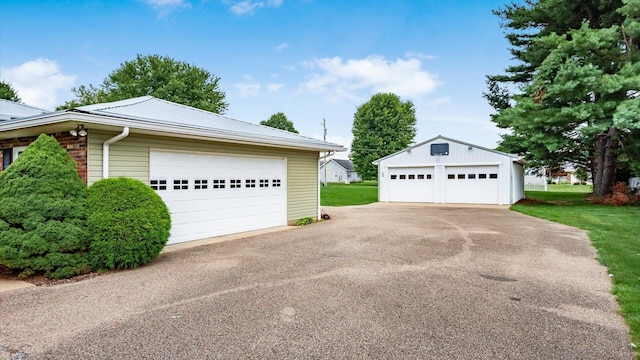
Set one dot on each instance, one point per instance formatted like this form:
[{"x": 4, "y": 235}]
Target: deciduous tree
[
  {"x": 159, "y": 76},
  {"x": 279, "y": 121},
  {"x": 383, "y": 125}
]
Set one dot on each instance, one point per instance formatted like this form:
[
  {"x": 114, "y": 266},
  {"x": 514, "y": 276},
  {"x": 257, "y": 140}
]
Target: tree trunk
[{"x": 605, "y": 162}]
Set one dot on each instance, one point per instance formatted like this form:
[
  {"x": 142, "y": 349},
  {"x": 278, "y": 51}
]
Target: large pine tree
[{"x": 576, "y": 85}]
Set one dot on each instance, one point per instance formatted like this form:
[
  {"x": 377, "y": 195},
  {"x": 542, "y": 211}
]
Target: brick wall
[{"x": 75, "y": 146}]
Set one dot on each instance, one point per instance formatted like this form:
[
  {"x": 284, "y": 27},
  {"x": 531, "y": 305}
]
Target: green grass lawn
[
  {"x": 614, "y": 232},
  {"x": 570, "y": 188},
  {"x": 360, "y": 193}
]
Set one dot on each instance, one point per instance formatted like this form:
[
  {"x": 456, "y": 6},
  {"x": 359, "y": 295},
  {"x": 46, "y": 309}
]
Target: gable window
[{"x": 439, "y": 149}]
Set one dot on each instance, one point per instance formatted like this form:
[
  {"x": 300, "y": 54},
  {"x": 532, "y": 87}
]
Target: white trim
[
  {"x": 493, "y": 163},
  {"x": 172, "y": 130},
  {"x": 16, "y": 151}
]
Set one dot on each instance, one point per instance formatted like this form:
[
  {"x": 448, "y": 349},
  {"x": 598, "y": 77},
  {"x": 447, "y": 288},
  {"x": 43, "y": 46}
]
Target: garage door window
[
  {"x": 412, "y": 177},
  {"x": 471, "y": 176},
  {"x": 158, "y": 184},
  {"x": 264, "y": 183},
  {"x": 461, "y": 176},
  {"x": 420, "y": 176},
  {"x": 235, "y": 183},
  {"x": 180, "y": 184},
  {"x": 403, "y": 177},
  {"x": 493, "y": 176},
  {"x": 218, "y": 184},
  {"x": 451, "y": 176},
  {"x": 201, "y": 184},
  {"x": 250, "y": 183},
  {"x": 276, "y": 183},
  {"x": 482, "y": 176},
  {"x": 394, "y": 177}
]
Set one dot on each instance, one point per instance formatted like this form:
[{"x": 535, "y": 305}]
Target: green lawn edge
[
  {"x": 359, "y": 193},
  {"x": 615, "y": 234}
]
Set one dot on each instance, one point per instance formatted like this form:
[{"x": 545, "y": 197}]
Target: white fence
[{"x": 535, "y": 187}]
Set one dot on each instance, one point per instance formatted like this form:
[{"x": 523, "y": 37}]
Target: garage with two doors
[{"x": 444, "y": 170}]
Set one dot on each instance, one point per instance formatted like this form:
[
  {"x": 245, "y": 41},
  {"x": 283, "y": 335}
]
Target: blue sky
[{"x": 310, "y": 59}]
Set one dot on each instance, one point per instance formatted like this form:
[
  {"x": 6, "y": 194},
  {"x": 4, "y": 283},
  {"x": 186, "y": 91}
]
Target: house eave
[{"x": 57, "y": 120}]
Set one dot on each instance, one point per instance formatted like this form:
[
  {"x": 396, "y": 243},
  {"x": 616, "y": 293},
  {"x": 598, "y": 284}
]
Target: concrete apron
[{"x": 10, "y": 285}]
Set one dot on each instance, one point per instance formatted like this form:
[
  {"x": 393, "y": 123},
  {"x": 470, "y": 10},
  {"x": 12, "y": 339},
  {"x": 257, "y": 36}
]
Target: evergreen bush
[
  {"x": 43, "y": 213},
  {"x": 129, "y": 224}
]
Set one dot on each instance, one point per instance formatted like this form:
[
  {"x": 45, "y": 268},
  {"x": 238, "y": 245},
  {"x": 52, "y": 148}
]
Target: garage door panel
[
  {"x": 210, "y": 206},
  {"x": 472, "y": 185},
  {"x": 411, "y": 184}
]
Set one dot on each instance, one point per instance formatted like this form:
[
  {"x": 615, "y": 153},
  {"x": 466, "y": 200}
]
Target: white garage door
[
  {"x": 472, "y": 185},
  {"x": 411, "y": 184},
  {"x": 212, "y": 195}
]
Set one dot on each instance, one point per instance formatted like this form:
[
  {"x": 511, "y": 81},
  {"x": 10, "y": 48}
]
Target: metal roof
[
  {"x": 13, "y": 110},
  {"x": 148, "y": 114}
]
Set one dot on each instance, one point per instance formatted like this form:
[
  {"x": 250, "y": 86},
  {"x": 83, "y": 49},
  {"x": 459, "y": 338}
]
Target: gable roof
[
  {"x": 440, "y": 137},
  {"x": 13, "y": 110},
  {"x": 150, "y": 115},
  {"x": 347, "y": 165}
]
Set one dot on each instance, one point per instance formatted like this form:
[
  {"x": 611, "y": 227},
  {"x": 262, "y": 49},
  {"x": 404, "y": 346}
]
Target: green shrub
[
  {"x": 43, "y": 213},
  {"x": 129, "y": 224},
  {"x": 305, "y": 221}
]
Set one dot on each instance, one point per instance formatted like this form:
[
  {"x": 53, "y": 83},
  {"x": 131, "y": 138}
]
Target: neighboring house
[
  {"x": 217, "y": 175},
  {"x": 339, "y": 171},
  {"x": 444, "y": 170}
]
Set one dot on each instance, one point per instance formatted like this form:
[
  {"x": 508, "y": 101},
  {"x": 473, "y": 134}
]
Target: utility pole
[{"x": 324, "y": 127}]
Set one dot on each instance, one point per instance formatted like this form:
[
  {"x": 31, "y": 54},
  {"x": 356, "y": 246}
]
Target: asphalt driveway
[{"x": 376, "y": 281}]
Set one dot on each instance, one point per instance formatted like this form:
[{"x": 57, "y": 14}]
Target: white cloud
[
  {"x": 38, "y": 82},
  {"x": 166, "y": 6},
  {"x": 439, "y": 101},
  {"x": 274, "y": 87},
  {"x": 374, "y": 74},
  {"x": 289, "y": 67},
  {"x": 248, "y": 87},
  {"x": 282, "y": 46},
  {"x": 250, "y": 6}
]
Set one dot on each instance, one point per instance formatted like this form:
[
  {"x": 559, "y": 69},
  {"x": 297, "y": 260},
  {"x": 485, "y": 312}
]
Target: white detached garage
[{"x": 444, "y": 170}]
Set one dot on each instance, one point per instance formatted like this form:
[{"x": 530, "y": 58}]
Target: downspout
[{"x": 105, "y": 150}]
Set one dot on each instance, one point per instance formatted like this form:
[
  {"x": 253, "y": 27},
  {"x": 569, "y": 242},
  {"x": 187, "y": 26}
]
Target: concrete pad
[
  {"x": 10, "y": 285},
  {"x": 219, "y": 239}
]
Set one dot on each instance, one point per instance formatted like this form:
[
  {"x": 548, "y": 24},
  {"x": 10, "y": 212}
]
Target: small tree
[
  {"x": 43, "y": 213},
  {"x": 129, "y": 224},
  {"x": 7, "y": 92},
  {"x": 383, "y": 125},
  {"x": 279, "y": 121}
]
